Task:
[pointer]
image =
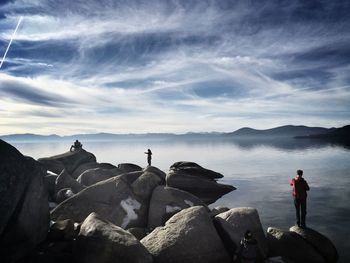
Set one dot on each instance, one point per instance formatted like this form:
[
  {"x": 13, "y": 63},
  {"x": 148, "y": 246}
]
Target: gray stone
[
  {"x": 50, "y": 183},
  {"x": 62, "y": 195},
  {"x": 187, "y": 237},
  {"x": 24, "y": 208},
  {"x": 321, "y": 243},
  {"x": 62, "y": 230},
  {"x": 218, "y": 210},
  {"x": 131, "y": 177},
  {"x": 167, "y": 201},
  {"x": 69, "y": 161},
  {"x": 197, "y": 180},
  {"x": 143, "y": 186},
  {"x": 95, "y": 175},
  {"x": 243, "y": 219},
  {"x": 101, "y": 241},
  {"x": 112, "y": 199},
  {"x": 292, "y": 246},
  {"x": 138, "y": 232},
  {"x": 157, "y": 171},
  {"x": 129, "y": 167},
  {"x": 90, "y": 165},
  {"x": 64, "y": 180}
]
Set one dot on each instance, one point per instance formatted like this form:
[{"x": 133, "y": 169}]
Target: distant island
[{"x": 282, "y": 132}]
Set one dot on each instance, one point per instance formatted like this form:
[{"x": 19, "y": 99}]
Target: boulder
[
  {"x": 24, "y": 208},
  {"x": 69, "y": 161},
  {"x": 64, "y": 180},
  {"x": 167, "y": 201},
  {"x": 92, "y": 176},
  {"x": 197, "y": 180},
  {"x": 157, "y": 171},
  {"x": 112, "y": 199},
  {"x": 189, "y": 236},
  {"x": 62, "y": 195},
  {"x": 91, "y": 165},
  {"x": 218, "y": 210},
  {"x": 129, "y": 178},
  {"x": 224, "y": 230},
  {"x": 101, "y": 241},
  {"x": 321, "y": 243},
  {"x": 143, "y": 186},
  {"x": 129, "y": 167},
  {"x": 195, "y": 169},
  {"x": 292, "y": 246},
  {"x": 243, "y": 219}
]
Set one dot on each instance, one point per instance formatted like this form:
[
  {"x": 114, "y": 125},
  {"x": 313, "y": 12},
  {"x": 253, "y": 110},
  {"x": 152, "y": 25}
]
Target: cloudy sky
[{"x": 123, "y": 66}]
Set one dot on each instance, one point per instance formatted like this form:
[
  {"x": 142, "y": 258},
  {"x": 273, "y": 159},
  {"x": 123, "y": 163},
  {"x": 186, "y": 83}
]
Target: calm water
[{"x": 260, "y": 170}]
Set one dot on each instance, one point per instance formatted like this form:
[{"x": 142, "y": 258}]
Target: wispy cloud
[{"x": 174, "y": 65}]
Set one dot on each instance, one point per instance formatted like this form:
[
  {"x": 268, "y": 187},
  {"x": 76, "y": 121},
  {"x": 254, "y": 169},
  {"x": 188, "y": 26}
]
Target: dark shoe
[{"x": 303, "y": 226}]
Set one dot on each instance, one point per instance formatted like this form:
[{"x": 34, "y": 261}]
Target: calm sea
[{"x": 260, "y": 170}]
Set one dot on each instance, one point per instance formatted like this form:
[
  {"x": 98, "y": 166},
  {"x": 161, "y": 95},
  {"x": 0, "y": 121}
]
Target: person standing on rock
[
  {"x": 149, "y": 157},
  {"x": 300, "y": 187},
  {"x": 249, "y": 250}
]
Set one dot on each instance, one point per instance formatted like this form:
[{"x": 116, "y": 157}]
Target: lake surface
[{"x": 260, "y": 170}]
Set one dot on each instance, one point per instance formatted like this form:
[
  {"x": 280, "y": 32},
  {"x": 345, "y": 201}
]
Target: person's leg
[
  {"x": 303, "y": 213},
  {"x": 297, "y": 210}
]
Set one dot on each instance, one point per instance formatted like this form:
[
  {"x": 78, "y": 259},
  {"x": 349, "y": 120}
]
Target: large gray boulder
[
  {"x": 167, "y": 201},
  {"x": 64, "y": 180},
  {"x": 187, "y": 237},
  {"x": 69, "y": 161},
  {"x": 24, "y": 209},
  {"x": 129, "y": 167},
  {"x": 157, "y": 171},
  {"x": 112, "y": 199},
  {"x": 243, "y": 219},
  {"x": 197, "y": 180},
  {"x": 101, "y": 241},
  {"x": 292, "y": 246},
  {"x": 94, "y": 175},
  {"x": 321, "y": 243},
  {"x": 91, "y": 165},
  {"x": 144, "y": 185}
]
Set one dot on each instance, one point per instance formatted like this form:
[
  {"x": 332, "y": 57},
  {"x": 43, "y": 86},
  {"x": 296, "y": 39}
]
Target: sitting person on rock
[
  {"x": 249, "y": 250},
  {"x": 149, "y": 157},
  {"x": 300, "y": 187},
  {"x": 76, "y": 146}
]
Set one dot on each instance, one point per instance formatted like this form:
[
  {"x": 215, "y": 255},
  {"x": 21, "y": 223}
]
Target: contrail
[{"x": 8, "y": 46}]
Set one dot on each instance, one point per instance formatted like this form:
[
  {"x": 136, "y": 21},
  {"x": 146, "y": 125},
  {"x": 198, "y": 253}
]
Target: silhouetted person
[
  {"x": 249, "y": 250},
  {"x": 300, "y": 187},
  {"x": 149, "y": 157},
  {"x": 76, "y": 146}
]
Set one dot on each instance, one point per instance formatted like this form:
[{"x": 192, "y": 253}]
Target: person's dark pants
[{"x": 300, "y": 206}]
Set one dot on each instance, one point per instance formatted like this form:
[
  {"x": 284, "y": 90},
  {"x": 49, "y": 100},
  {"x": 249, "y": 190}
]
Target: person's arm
[
  {"x": 71, "y": 148},
  {"x": 291, "y": 182},
  {"x": 307, "y": 188}
]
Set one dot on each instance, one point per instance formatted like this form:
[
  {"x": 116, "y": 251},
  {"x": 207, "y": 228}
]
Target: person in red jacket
[{"x": 300, "y": 187}]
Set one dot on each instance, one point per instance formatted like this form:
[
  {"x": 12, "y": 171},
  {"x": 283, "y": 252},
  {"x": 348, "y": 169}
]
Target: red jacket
[{"x": 300, "y": 187}]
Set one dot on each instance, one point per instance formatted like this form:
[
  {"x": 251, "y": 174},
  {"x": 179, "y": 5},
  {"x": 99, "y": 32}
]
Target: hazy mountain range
[{"x": 288, "y": 131}]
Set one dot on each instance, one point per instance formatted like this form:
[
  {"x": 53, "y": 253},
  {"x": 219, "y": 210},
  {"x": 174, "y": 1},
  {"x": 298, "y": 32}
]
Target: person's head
[
  {"x": 248, "y": 234},
  {"x": 300, "y": 173}
]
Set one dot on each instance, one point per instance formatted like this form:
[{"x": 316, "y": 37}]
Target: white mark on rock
[
  {"x": 188, "y": 202},
  {"x": 172, "y": 209},
  {"x": 129, "y": 205},
  {"x": 69, "y": 193}
]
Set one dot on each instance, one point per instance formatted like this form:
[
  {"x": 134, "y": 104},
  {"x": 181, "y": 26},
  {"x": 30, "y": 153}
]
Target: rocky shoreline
[{"x": 71, "y": 208}]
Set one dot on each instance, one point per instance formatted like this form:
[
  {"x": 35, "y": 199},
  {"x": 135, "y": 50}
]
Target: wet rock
[
  {"x": 292, "y": 246},
  {"x": 243, "y": 219},
  {"x": 64, "y": 180},
  {"x": 197, "y": 180},
  {"x": 24, "y": 209},
  {"x": 92, "y": 176},
  {"x": 189, "y": 236},
  {"x": 101, "y": 241},
  {"x": 321, "y": 243},
  {"x": 112, "y": 199},
  {"x": 69, "y": 161},
  {"x": 167, "y": 201}
]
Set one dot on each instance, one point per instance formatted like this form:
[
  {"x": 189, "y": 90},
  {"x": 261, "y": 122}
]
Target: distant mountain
[
  {"x": 28, "y": 137},
  {"x": 338, "y": 134},
  {"x": 282, "y": 131}
]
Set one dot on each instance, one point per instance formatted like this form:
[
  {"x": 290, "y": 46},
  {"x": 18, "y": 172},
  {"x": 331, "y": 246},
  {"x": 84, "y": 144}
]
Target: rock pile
[{"x": 106, "y": 213}]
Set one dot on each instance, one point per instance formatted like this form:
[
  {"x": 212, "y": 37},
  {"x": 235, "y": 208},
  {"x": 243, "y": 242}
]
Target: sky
[{"x": 133, "y": 66}]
